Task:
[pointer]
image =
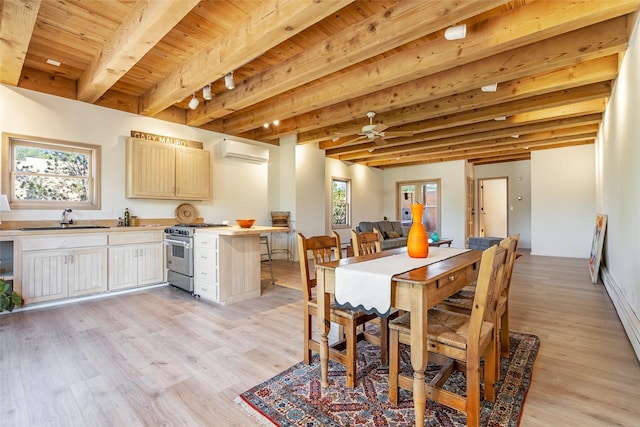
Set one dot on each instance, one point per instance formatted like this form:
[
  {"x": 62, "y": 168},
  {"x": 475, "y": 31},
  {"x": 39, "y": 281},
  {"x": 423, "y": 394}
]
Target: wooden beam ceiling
[{"x": 318, "y": 66}]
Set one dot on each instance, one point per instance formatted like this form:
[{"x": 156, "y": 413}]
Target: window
[
  {"x": 50, "y": 174},
  {"x": 340, "y": 203},
  {"x": 426, "y": 192}
]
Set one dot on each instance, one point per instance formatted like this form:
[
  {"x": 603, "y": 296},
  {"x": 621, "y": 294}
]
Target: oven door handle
[{"x": 168, "y": 242}]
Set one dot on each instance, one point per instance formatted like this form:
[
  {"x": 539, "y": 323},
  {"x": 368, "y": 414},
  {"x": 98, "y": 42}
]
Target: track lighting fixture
[
  {"x": 490, "y": 88},
  {"x": 228, "y": 81},
  {"x": 206, "y": 92},
  {"x": 193, "y": 104},
  {"x": 456, "y": 33}
]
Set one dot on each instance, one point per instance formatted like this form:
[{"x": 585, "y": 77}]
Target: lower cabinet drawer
[
  {"x": 206, "y": 290},
  {"x": 206, "y": 273},
  {"x": 206, "y": 256}
]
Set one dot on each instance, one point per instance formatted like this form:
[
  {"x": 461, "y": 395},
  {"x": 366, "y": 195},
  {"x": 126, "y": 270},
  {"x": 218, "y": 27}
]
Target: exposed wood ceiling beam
[
  {"x": 318, "y": 66},
  {"x": 428, "y": 59},
  {"x": 147, "y": 24},
  {"x": 598, "y": 70},
  {"x": 540, "y": 102},
  {"x": 17, "y": 21},
  {"x": 396, "y": 26},
  {"x": 466, "y": 135},
  {"x": 563, "y": 137},
  {"x": 272, "y": 23},
  {"x": 449, "y": 144}
]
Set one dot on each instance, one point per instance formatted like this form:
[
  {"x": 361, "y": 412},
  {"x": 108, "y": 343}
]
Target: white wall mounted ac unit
[{"x": 244, "y": 151}]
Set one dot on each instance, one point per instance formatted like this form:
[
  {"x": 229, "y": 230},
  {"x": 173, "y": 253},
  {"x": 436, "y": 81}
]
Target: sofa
[{"x": 394, "y": 234}]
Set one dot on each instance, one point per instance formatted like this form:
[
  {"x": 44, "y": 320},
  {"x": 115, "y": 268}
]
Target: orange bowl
[{"x": 245, "y": 223}]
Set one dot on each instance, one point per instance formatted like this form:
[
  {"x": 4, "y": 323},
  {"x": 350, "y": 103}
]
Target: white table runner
[{"x": 366, "y": 285}]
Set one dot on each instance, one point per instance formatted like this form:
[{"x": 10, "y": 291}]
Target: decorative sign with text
[{"x": 166, "y": 139}]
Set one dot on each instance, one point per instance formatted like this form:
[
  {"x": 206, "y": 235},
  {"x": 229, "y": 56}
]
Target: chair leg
[
  {"x": 307, "y": 336},
  {"x": 490, "y": 374},
  {"x": 265, "y": 241},
  {"x": 384, "y": 340},
  {"x": 504, "y": 332},
  {"x": 394, "y": 365},
  {"x": 350, "y": 363},
  {"x": 473, "y": 392}
]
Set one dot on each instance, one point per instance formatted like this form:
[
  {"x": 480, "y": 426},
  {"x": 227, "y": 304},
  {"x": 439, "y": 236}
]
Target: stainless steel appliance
[{"x": 178, "y": 240}]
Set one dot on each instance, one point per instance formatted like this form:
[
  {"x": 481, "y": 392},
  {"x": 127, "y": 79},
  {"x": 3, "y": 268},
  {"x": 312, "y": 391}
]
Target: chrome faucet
[{"x": 65, "y": 219}]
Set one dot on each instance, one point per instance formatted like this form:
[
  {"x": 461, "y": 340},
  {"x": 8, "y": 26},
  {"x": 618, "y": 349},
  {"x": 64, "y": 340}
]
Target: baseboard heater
[{"x": 243, "y": 151}]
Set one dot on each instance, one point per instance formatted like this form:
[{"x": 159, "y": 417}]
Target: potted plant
[{"x": 8, "y": 299}]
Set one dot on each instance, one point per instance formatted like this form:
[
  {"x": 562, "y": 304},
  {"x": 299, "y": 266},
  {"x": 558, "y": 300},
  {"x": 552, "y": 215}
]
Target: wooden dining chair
[
  {"x": 370, "y": 242},
  {"x": 320, "y": 249},
  {"x": 457, "y": 341},
  {"x": 462, "y": 301},
  {"x": 366, "y": 242}
]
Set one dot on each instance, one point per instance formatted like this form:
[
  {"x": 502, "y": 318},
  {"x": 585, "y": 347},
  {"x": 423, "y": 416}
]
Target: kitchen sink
[{"x": 70, "y": 227}]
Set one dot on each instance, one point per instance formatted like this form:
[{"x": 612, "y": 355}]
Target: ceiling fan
[
  {"x": 371, "y": 132},
  {"x": 376, "y": 133}
]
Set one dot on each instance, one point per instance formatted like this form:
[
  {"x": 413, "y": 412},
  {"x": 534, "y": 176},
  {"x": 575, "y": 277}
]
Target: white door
[{"x": 493, "y": 207}]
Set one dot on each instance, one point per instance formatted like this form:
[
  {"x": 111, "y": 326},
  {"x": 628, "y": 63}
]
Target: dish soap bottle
[{"x": 127, "y": 217}]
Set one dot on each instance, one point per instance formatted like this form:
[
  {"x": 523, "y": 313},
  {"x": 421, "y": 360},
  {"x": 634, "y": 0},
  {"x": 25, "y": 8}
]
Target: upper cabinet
[{"x": 163, "y": 171}]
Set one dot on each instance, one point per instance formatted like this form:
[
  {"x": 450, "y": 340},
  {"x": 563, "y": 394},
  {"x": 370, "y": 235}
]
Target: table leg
[
  {"x": 324, "y": 325},
  {"x": 419, "y": 351}
]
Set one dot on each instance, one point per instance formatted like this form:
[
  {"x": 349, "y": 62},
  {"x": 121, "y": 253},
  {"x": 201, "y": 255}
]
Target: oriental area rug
[{"x": 295, "y": 398}]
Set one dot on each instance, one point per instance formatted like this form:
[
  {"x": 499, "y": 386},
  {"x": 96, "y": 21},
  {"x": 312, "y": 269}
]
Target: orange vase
[{"x": 417, "y": 241}]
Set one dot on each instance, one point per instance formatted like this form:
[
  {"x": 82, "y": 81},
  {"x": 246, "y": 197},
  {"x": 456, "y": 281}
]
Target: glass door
[{"x": 426, "y": 192}]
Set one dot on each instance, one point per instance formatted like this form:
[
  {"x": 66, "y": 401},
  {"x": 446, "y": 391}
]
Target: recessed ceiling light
[
  {"x": 276, "y": 122},
  {"x": 516, "y": 136},
  {"x": 500, "y": 118},
  {"x": 266, "y": 125},
  {"x": 490, "y": 88},
  {"x": 53, "y": 62}
]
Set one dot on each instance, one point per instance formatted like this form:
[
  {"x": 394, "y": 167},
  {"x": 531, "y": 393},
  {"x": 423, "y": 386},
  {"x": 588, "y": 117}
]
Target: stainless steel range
[{"x": 179, "y": 242}]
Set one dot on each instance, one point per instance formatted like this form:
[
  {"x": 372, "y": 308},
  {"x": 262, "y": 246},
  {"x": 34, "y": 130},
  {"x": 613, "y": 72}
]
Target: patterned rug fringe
[{"x": 256, "y": 415}]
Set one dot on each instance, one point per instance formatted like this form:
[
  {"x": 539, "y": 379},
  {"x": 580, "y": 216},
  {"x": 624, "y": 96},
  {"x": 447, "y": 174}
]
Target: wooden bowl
[{"x": 245, "y": 223}]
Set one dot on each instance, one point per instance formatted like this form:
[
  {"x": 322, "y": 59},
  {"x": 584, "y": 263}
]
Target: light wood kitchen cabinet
[
  {"x": 205, "y": 274},
  {"x": 163, "y": 171},
  {"x": 54, "y": 268},
  {"x": 135, "y": 259},
  {"x": 227, "y": 267}
]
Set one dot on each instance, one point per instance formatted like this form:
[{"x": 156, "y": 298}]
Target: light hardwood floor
[{"x": 161, "y": 357}]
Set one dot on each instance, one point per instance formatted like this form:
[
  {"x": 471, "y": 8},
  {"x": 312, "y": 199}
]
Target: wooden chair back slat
[
  {"x": 312, "y": 251},
  {"x": 367, "y": 242},
  {"x": 488, "y": 286}
]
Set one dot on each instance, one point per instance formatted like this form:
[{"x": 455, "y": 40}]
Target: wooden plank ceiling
[{"x": 318, "y": 67}]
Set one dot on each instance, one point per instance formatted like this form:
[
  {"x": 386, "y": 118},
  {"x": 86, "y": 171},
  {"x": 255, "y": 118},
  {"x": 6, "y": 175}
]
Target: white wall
[
  {"x": 310, "y": 190},
  {"x": 239, "y": 188},
  {"x": 618, "y": 191},
  {"x": 563, "y": 201},
  {"x": 452, "y": 189}
]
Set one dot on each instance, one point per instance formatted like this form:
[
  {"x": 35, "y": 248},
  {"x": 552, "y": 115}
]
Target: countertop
[
  {"x": 81, "y": 230},
  {"x": 234, "y": 230}
]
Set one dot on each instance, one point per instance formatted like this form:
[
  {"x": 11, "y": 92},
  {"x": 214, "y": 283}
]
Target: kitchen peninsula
[{"x": 227, "y": 262}]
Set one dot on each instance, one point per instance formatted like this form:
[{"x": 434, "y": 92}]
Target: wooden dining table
[{"x": 415, "y": 291}]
